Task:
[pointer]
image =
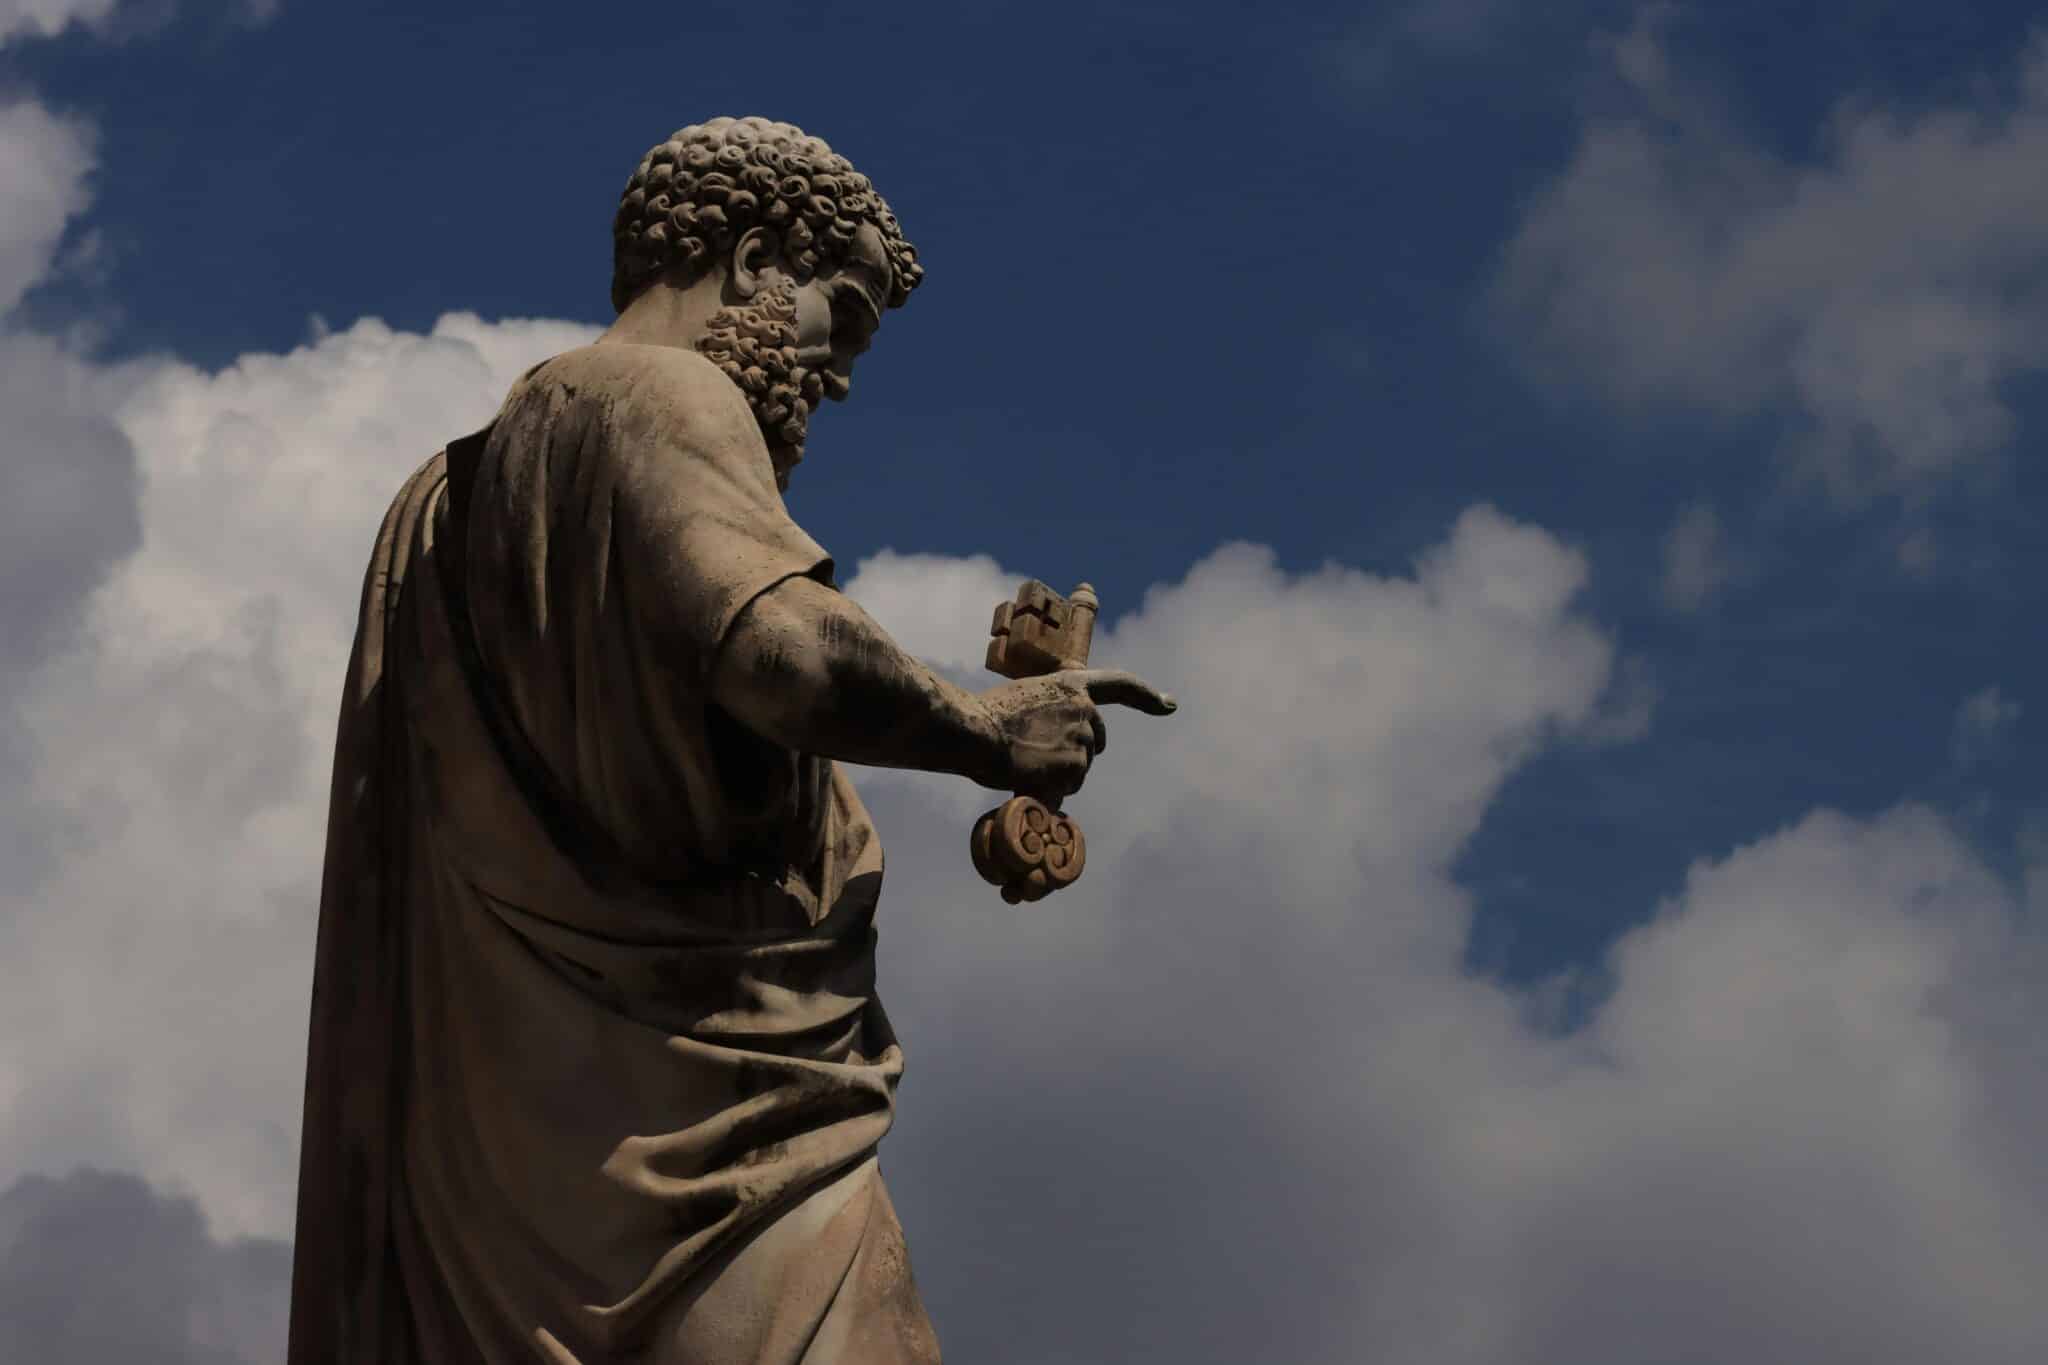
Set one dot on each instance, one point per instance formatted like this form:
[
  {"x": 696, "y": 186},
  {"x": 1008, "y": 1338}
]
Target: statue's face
[
  {"x": 788, "y": 345},
  {"x": 837, "y": 312}
]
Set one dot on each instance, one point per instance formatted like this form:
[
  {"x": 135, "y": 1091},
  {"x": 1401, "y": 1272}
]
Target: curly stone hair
[{"x": 698, "y": 193}]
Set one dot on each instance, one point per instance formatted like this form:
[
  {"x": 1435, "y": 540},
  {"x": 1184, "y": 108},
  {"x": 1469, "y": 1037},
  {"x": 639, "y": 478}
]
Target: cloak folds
[{"x": 596, "y": 1069}]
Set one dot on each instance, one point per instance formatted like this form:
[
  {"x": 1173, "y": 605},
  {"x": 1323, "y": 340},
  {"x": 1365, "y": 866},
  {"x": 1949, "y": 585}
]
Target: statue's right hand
[{"x": 1052, "y": 730}]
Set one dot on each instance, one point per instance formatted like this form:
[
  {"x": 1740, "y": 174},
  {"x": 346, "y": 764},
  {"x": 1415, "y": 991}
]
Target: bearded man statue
[{"x": 597, "y": 1068}]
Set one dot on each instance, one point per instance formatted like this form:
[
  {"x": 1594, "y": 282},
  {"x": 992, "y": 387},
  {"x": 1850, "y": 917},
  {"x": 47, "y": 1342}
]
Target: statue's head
[{"x": 803, "y": 253}]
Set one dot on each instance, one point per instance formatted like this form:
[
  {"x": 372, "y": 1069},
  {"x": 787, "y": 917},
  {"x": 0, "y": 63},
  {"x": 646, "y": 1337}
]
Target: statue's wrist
[{"x": 989, "y": 762}]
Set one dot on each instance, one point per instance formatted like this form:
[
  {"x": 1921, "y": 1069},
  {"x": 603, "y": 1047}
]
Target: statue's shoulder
[
  {"x": 647, "y": 397},
  {"x": 675, "y": 383},
  {"x": 647, "y": 400}
]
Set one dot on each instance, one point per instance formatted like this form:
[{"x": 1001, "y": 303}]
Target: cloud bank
[{"x": 1235, "y": 1096}]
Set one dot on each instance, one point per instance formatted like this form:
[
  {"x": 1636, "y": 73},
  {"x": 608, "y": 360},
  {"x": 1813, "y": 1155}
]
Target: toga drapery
[{"x": 597, "y": 1069}]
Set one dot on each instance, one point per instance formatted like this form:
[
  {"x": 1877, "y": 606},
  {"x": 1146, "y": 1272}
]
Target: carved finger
[{"x": 1119, "y": 687}]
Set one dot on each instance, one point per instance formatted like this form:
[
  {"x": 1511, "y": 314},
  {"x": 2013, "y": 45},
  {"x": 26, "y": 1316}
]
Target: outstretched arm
[{"x": 804, "y": 666}]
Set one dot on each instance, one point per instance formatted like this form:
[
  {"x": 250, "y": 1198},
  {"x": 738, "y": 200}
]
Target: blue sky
[{"x": 1740, "y": 307}]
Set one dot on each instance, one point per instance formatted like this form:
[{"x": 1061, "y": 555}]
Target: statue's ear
[{"x": 756, "y": 250}]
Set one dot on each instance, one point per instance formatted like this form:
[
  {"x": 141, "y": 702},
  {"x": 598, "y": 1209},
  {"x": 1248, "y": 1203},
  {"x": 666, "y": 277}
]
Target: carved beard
[{"x": 755, "y": 344}]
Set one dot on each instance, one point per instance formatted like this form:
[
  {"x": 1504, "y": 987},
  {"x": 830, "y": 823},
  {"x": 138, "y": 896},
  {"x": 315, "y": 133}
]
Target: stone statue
[{"x": 597, "y": 1068}]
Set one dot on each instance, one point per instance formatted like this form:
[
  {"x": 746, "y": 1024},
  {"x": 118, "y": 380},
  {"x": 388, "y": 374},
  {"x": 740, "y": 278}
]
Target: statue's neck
[{"x": 666, "y": 316}]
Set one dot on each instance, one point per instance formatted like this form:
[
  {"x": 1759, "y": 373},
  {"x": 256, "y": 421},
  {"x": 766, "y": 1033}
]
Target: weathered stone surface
[{"x": 597, "y": 1069}]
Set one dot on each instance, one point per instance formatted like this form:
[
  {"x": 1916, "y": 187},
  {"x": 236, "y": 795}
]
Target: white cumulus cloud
[
  {"x": 1794, "y": 1116},
  {"x": 1884, "y": 293},
  {"x": 44, "y": 161}
]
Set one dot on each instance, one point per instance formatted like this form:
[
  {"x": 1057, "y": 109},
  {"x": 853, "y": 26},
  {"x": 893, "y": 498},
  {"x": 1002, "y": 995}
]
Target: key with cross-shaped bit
[{"x": 1024, "y": 846}]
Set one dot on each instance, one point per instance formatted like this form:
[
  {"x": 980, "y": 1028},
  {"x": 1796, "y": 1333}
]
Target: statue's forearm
[{"x": 806, "y": 667}]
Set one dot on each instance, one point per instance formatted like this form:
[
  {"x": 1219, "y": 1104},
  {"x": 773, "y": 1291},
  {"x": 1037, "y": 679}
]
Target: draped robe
[{"x": 597, "y": 1068}]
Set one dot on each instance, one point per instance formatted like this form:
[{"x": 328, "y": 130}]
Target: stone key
[
  {"x": 1042, "y": 632},
  {"x": 1024, "y": 846}
]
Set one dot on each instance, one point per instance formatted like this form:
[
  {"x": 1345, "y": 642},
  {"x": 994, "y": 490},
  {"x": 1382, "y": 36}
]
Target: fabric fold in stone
[{"x": 635, "y": 1064}]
